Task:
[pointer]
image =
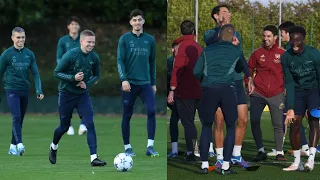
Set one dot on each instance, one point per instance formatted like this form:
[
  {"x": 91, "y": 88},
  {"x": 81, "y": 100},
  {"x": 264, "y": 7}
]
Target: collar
[
  {"x": 133, "y": 34},
  {"x": 19, "y": 50},
  {"x": 183, "y": 38},
  {"x": 78, "y": 37}
]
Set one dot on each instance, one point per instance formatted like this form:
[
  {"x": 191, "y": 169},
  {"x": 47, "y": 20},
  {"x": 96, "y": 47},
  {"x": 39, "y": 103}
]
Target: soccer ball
[{"x": 123, "y": 162}]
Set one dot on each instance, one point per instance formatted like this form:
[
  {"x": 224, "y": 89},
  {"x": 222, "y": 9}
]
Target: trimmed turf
[
  {"x": 270, "y": 170},
  {"x": 73, "y": 158}
]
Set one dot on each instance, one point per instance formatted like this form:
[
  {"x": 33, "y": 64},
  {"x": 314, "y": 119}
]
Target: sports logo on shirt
[
  {"x": 277, "y": 58},
  {"x": 14, "y": 59},
  {"x": 146, "y": 42},
  {"x": 262, "y": 58},
  {"x": 131, "y": 44}
]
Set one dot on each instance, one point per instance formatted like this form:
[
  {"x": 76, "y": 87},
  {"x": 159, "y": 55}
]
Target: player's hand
[
  {"x": 79, "y": 76},
  {"x": 126, "y": 86},
  {"x": 40, "y": 97},
  {"x": 250, "y": 86},
  {"x": 235, "y": 41},
  {"x": 285, "y": 92},
  {"x": 289, "y": 117},
  {"x": 82, "y": 84},
  {"x": 170, "y": 97},
  {"x": 154, "y": 88}
]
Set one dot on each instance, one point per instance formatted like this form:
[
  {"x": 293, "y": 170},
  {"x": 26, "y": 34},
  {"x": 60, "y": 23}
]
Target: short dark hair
[
  {"x": 216, "y": 10},
  {"x": 227, "y": 32},
  {"x": 286, "y": 26},
  {"x": 173, "y": 45},
  {"x": 272, "y": 29},
  {"x": 187, "y": 27},
  {"x": 86, "y": 33},
  {"x": 73, "y": 18},
  {"x": 135, "y": 13},
  {"x": 17, "y": 29},
  {"x": 298, "y": 29}
]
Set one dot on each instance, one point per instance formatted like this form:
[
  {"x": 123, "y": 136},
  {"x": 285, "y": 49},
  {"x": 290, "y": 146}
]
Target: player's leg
[
  {"x": 313, "y": 102},
  {"x": 300, "y": 105},
  {"x": 24, "y": 98},
  {"x": 85, "y": 108},
  {"x": 128, "y": 99},
  {"x": 207, "y": 107},
  {"x": 13, "y": 101},
  {"x": 148, "y": 97},
  {"x": 276, "y": 105},
  {"x": 174, "y": 131},
  {"x": 219, "y": 137},
  {"x": 257, "y": 104},
  {"x": 187, "y": 110},
  {"x": 230, "y": 113},
  {"x": 241, "y": 125},
  {"x": 70, "y": 131},
  {"x": 304, "y": 142},
  {"x": 66, "y": 103}
]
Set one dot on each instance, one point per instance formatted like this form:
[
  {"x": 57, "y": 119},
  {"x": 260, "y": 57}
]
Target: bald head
[{"x": 227, "y": 32}]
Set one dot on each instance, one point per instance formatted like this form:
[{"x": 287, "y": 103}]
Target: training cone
[
  {"x": 315, "y": 112},
  {"x": 211, "y": 168}
]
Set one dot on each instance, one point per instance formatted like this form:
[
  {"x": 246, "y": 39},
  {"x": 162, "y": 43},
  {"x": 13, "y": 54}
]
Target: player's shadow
[{"x": 177, "y": 163}]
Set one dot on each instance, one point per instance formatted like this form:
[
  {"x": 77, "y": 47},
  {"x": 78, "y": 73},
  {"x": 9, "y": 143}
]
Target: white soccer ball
[{"x": 123, "y": 162}]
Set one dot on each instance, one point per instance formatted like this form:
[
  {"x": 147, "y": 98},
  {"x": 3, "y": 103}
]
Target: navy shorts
[
  {"x": 241, "y": 95},
  {"x": 306, "y": 100}
]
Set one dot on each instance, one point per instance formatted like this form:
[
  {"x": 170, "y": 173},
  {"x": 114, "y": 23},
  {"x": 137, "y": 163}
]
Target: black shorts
[{"x": 241, "y": 95}]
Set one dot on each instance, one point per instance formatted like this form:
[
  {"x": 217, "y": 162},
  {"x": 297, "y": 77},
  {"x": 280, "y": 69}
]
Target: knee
[
  {"x": 219, "y": 122},
  {"x": 242, "y": 121},
  {"x": 16, "y": 118},
  {"x": 89, "y": 124},
  {"x": 151, "y": 111},
  {"x": 296, "y": 126},
  {"x": 64, "y": 128}
]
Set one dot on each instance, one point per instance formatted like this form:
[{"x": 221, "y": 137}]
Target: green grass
[
  {"x": 177, "y": 169},
  {"x": 73, "y": 160}
]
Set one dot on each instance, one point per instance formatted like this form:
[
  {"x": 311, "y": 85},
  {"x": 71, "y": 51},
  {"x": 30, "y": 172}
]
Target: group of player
[
  {"x": 78, "y": 68},
  {"x": 209, "y": 80}
]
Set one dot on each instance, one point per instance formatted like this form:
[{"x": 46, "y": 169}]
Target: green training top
[
  {"x": 75, "y": 61},
  {"x": 300, "y": 71},
  {"x": 209, "y": 38},
  {"x": 15, "y": 64},
  {"x": 136, "y": 58},
  {"x": 66, "y": 43},
  {"x": 217, "y": 64}
]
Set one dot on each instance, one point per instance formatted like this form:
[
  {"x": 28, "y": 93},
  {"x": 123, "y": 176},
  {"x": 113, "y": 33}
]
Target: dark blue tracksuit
[{"x": 215, "y": 69}]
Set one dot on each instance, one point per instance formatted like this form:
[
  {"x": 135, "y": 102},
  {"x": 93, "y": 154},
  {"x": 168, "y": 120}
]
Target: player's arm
[
  {"x": 316, "y": 59},
  {"x": 211, "y": 37},
  {"x": 121, "y": 52},
  {"x": 60, "y": 50},
  {"x": 289, "y": 82},
  {"x": 252, "y": 63},
  {"x": 239, "y": 66},
  {"x": 245, "y": 65},
  {"x": 62, "y": 66},
  {"x": 95, "y": 73},
  {"x": 152, "y": 62},
  {"x": 199, "y": 67},
  {"x": 3, "y": 66},
  {"x": 178, "y": 64},
  {"x": 36, "y": 75}
]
